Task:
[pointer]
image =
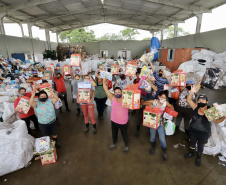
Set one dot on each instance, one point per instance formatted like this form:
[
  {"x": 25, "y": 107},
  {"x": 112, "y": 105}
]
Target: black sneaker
[
  {"x": 126, "y": 149},
  {"x": 113, "y": 146}
]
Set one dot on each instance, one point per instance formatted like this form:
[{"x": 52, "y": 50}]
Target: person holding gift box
[
  {"x": 183, "y": 108},
  {"x": 119, "y": 116},
  {"x": 146, "y": 97},
  {"x": 34, "y": 78},
  {"x": 88, "y": 108},
  {"x": 56, "y": 71},
  {"x": 200, "y": 127},
  {"x": 160, "y": 78},
  {"x": 100, "y": 96},
  {"x": 160, "y": 103},
  {"x": 45, "y": 111},
  {"x": 61, "y": 89},
  {"x": 122, "y": 82},
  {"x": 30, "y": 116},
  {"x": 100, "y": 68},
  {"x": 74, "y": 87}
]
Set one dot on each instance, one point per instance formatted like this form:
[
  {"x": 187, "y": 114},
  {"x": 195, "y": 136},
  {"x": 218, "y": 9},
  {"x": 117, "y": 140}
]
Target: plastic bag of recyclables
[
  {"x": 217, "y": 141},
  {"x": 16, "y": 146}
]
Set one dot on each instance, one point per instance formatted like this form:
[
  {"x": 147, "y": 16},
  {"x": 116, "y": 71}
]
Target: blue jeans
[{"x": 161, "y": 131}]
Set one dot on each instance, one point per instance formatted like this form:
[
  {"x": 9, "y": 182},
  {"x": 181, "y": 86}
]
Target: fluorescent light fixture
[{"x": 102, "y": 1}]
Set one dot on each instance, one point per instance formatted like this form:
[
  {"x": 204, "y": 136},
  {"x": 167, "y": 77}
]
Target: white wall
[
  {"x": 22, "y": 45},
  {"x": 214, "y": 40}
]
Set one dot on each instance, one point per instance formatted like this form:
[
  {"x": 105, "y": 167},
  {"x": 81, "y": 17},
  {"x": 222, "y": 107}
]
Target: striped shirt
[{"x": 159, "y": 82}]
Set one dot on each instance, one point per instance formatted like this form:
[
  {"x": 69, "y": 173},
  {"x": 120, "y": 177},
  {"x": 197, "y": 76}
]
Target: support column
[
  {"x": 152, "y": 33},
  {"x": 21, "y": 27},
  {"x": 47, "y": 35},
  {"x": 2, "y": 29},
  {"x": 199, "y": 23},
  {"x": 57, "y": 36},
  {"x": 29, "y": 26},
  {"x": 161, "y": 34},
  {"x": 175, "y": 30}
]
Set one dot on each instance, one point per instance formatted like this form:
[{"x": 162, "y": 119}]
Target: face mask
[
  {"x": 42, "y": 99},
  {"x": 118, "y": 95},
  {"x": 202, "y": 104},
  {"x": 188, "y": 87},
  {"x": 35, "y": 76},
  {"x": 160, "y": 75},
  {"x": 58, "y": 77},
  {"x": 76, "y": 72},
  {"x": 86, "y": 80},
  {"x": 22, "y": 94},
  {"x": 162, "y": 100}
]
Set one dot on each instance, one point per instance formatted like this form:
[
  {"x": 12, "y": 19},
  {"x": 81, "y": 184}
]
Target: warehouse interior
[{"x": 86, "y": 159}]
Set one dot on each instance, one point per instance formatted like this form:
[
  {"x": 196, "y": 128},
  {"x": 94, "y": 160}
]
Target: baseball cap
[
  {"x": 57, "y": 65},
  {"x": 190, "y": 82},
  {"x": 203, "y": 96}
]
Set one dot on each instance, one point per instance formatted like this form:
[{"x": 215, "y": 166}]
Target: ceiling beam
[
  {"x": 177, "y": 5},
  {"x": 24, "y": 5},
  {"x": 64, "y": 15}
]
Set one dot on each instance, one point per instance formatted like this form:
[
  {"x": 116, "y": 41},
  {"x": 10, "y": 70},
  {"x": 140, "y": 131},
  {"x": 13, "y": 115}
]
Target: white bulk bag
[{"x": 16, "y": 149}]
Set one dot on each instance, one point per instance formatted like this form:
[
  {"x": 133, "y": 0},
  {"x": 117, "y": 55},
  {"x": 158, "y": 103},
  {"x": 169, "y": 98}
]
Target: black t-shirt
[{"x": 200, "y": 122}]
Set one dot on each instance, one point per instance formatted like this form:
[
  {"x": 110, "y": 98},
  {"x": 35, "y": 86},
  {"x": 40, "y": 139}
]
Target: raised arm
[
  {"x": 164, "y": 74},
  {"x": 189, "y": 98},
  {"x": 71, "y": 71},
  {"x": 114, "y": 85},
  {"x": 54, "y": 76},
  {"x": 109, "y": 94},
  {"x": 33, "y": 103},
  {"x": 154, "y": 87},
  {"x": 152, "y": 67},
  {"x": 55, "y": 98}
]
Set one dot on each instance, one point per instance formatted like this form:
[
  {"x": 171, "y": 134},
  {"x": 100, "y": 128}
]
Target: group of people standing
[{"x": 197, "y": 126}]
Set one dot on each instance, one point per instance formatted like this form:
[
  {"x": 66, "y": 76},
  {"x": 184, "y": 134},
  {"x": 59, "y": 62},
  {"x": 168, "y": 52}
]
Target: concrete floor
[{"x": 86, "y": 159}]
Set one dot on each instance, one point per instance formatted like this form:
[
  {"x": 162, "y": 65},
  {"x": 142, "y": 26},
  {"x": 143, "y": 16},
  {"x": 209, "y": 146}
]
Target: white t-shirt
[{"x": 123, "y": 83}]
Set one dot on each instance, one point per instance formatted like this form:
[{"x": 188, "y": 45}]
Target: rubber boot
[
  {"x": 152, "y": 151},
  {"x": 198, "y": 159},
  {"x": 87, "y": 128},
  {"x": 190, "y": 154},
  {"x": 164, "y": 155}
]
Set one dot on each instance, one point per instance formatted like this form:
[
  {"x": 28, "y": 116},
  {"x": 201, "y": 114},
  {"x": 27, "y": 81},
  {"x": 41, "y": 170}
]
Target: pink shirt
[{"x": 119, "y": 114}]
